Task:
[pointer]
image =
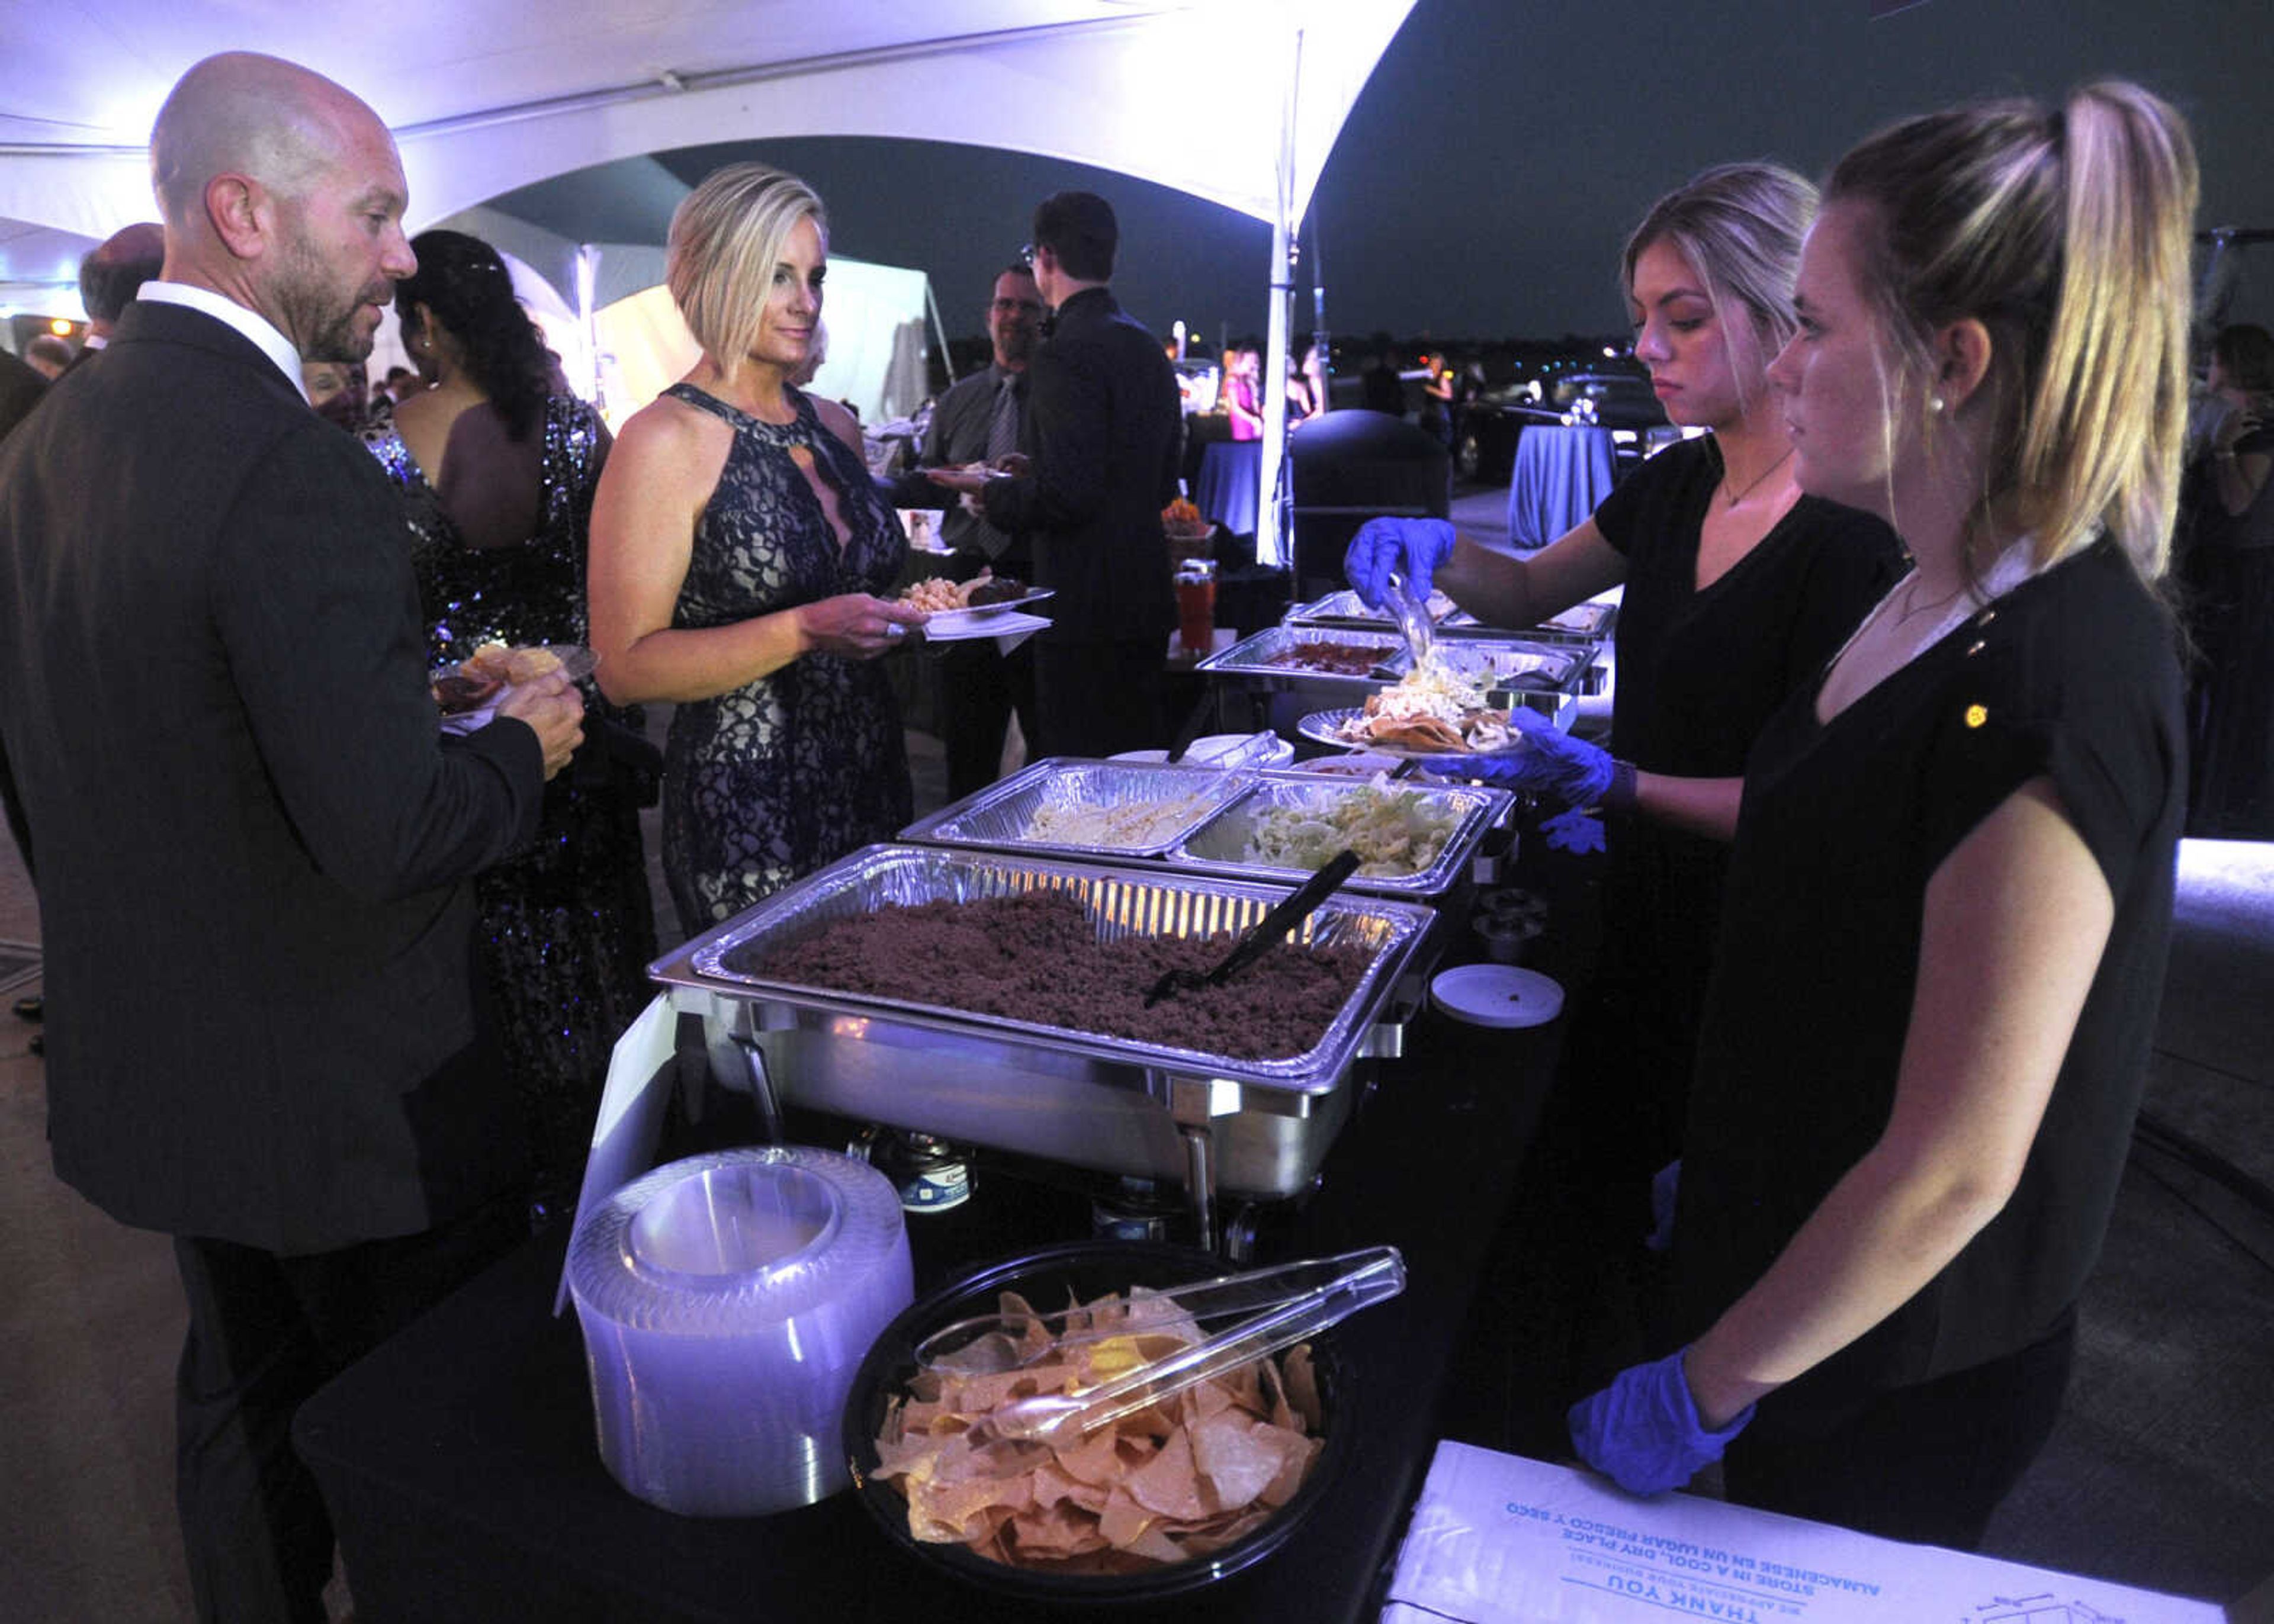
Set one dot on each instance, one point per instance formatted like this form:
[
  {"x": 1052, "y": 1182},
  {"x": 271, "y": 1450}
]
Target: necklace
[
  {"x": 1915, "y": 608},
  {"x": 1761, "y": 479}
]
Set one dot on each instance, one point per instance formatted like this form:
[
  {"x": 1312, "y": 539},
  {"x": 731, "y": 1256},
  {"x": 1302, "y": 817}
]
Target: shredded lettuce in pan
[{"x": 1394, "y": 832}]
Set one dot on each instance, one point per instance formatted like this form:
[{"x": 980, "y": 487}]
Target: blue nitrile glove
[
  {"x": 1574, "y": 831},
  {"x": 1665, "y": 1190},
  {"x": 1642, "y": 1431},
  {"x": 1550, "y": 763},
  {"x": 1413, "y": 547}
]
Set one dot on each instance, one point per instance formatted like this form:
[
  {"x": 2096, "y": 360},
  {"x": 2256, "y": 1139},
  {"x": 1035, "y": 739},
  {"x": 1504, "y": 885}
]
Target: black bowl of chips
[{"x": 1067, "y": 1551}]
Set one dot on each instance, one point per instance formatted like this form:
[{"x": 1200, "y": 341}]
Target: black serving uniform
[
  {"x": 2071, "y": 676},
  {"x": 1699, "y": 672}
]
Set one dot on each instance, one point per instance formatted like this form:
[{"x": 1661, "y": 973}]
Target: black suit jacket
[
  {"x": 249, "y": 835},
  {"x": 21, "y": 389},
  {"x": 1103, "y": 427}
]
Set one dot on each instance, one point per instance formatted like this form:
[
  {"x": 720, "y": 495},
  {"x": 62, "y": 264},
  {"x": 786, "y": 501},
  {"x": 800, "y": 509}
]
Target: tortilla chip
[
  {"x": 1169, "y": 1482},
  {"x": 1238, "y": 1458},
  {"x": 1302, "y": 1386},
  {"x": 1189, "y": 1475}
]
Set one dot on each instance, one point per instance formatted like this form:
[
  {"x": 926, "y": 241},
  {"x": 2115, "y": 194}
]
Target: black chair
[{"x": 1351, "y": 466}]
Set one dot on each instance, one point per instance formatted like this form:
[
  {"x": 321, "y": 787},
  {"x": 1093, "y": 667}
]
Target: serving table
[{"x": 459, "y": 1464}]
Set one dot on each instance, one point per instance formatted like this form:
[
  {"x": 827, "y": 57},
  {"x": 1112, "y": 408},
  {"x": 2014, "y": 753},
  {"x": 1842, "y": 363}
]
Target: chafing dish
[
  {"x": 1250, "y": 661},
  {"x": 1581, "y": 622},
  {"x": 1347, "y": 608},
  {"x": 1548, "y": 677},
  {"x": 1588, "y": 622},
  {"x": 1002, "y": 815},
  {"x": 1217, "y": 846},
  {"x": 1251, "y": 1127}
]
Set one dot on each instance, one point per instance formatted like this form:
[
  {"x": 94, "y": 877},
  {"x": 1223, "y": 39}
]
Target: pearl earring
[{"x": 1935, "y": 404}]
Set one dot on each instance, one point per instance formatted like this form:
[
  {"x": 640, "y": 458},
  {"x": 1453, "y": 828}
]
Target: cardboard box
[{"x": 1499, "y": 1539}]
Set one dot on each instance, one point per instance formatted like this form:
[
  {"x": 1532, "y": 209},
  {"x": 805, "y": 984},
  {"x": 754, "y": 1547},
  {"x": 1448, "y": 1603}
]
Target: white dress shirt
[{"x": 251, "y": 323}]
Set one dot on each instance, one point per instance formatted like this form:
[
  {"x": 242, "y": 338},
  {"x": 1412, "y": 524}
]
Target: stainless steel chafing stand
[
  {"x": 1548, "y": 676},
  {"x": 1219, "y": 1124}
]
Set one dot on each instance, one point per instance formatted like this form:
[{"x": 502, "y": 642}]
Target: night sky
[{"x": 1487, "y": 178}]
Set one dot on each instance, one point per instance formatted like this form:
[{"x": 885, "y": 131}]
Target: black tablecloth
[{"x": 460, "y": 1465}]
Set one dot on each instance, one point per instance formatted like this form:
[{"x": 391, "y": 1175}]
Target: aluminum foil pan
[
  {"x": 1153, "y": 901},
  {"x": 1002, "y": 814},
  {"x": 1588, "y": 620},
  {"x": 1253, "y": 657},
  {"x": 1218, "y": 845},
  {"x": 1347, "y": 608},
  {"x": 1521, "y": 665}
]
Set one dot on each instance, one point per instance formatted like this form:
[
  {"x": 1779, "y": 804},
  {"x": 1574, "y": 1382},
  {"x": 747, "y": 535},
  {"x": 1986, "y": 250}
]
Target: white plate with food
[
  {"x": 1437, "y": 709},
  {"x": 468, "y": 692},
  {"x": 978, "y": 616},
  {"x": 953, "y": 606},
  {"x": 1355, "y": 730}
]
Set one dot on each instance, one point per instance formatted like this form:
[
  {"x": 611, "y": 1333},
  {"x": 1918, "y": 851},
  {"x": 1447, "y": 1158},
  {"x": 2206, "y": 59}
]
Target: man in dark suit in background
[
  {"x": 110, "y": 275},
  {"x": 983, "y": 419},
  {"x": 21, "y": 389},
  {"x": 251, "y": 840},
  {"x": 1104, "y": 428}
]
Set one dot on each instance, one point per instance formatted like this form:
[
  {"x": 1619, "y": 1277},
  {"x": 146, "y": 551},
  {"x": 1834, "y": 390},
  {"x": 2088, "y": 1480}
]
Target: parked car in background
[{"x": 1601, "y": 393}]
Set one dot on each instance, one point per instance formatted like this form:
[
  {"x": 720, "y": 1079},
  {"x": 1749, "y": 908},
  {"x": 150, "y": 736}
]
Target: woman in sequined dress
[
  {"x": 497, "y": 467},
  {"x": 738, "y": 550}
]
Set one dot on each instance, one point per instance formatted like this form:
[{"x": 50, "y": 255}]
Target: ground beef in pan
[{"x": 1036, "y": 958}]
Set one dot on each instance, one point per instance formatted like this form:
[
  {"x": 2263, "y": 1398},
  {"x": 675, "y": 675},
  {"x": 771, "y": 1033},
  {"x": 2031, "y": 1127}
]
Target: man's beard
[
  {"x": 1016, "y": 351},
  {"x": 322, "y": 329}
]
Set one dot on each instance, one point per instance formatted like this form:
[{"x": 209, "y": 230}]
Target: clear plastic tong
[{"x": 1283, "y": 1304}]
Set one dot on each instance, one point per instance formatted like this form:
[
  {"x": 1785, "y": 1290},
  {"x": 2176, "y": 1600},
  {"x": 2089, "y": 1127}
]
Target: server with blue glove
[
  {"x": 1950, "y": 893},
  {"x": 1737, "y": 588}
]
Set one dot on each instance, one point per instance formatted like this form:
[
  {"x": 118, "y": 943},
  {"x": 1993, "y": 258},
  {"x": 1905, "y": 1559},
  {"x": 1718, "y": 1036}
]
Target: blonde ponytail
[
  {"x": 2100, "y": 445},
  {"x": 2067, "y": 235}
]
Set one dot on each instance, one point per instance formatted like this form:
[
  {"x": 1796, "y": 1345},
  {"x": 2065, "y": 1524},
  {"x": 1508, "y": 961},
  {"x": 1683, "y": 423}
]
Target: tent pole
[
  {"x": 1272, "y": 543},
  {"x": 1319, "y": 338},
  {"x": 946, "y": 355},
  {"x": 588, "y": 317}
]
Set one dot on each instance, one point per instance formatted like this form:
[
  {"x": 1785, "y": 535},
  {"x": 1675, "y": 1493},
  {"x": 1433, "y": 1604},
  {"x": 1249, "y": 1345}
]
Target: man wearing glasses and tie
[
  {"x": 979, "y": 420},
  {"x": 1106, "y": 433}
]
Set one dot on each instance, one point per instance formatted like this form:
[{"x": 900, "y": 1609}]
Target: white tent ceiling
[{"x": 488, "y": 95}]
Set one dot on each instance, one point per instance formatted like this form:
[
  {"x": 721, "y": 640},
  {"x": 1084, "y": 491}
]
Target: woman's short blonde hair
[
  {"x": 727, "y": 237},
  {"x": 2066, "y": 233}
]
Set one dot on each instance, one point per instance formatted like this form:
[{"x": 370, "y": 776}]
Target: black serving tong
[
  {"x": 1260, "y": 937},
  {"x": 1194, "y": 726}
]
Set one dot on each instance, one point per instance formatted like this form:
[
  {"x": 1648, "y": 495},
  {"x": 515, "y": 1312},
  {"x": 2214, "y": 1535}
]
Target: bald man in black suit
[{"x": 251, "y": 838}]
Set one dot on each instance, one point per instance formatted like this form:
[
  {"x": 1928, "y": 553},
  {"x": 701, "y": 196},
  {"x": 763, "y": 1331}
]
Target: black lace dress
[
  {"x": 568, "y": 926},
  {"x": 769, "y": 781}
]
